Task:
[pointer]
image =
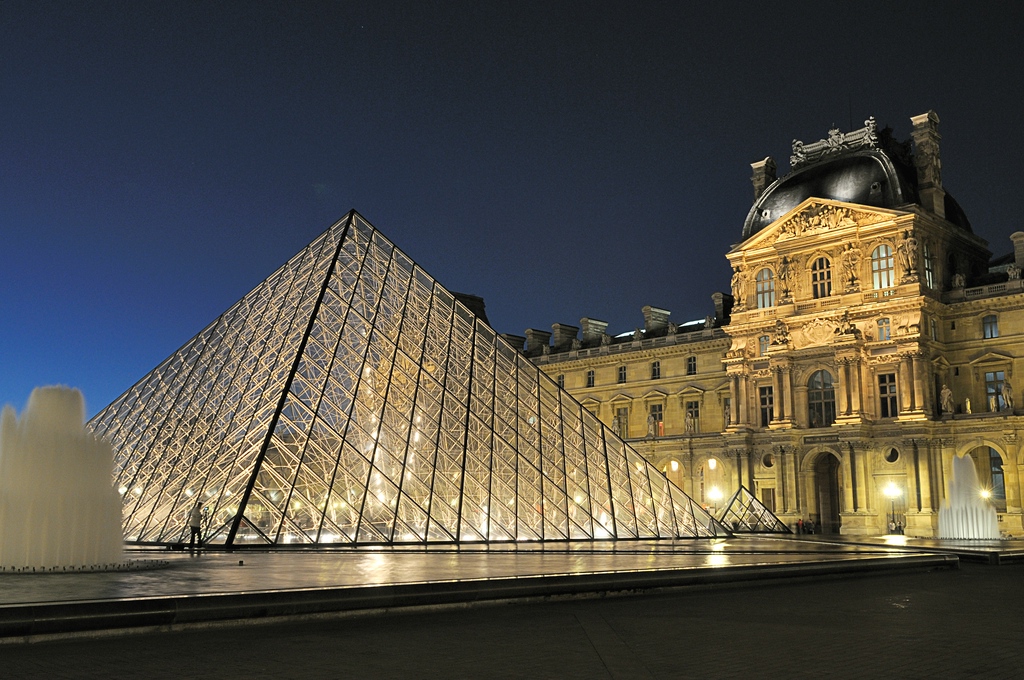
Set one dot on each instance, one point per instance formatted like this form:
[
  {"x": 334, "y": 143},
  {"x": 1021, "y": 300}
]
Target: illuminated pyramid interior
[{"x": 350, "y": 399}]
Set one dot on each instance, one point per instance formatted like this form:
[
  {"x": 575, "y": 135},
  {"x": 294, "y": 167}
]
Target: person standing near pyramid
[{"x": 195, "y": 525}]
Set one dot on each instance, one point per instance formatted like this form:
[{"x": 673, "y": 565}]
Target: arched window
[
  {"x": 821, "y": 400},
  {"x": 821, "y": 278},
  {"x": 997, "y": 483},
  {"x": 882, "y": 267},
  {"x": 765, "y": 288}
]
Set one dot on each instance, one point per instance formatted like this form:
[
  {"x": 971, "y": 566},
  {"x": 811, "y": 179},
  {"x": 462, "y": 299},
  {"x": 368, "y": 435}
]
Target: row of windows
[
  {"x": 883, "y": 275},
  {"x": 691, "y": 369}
]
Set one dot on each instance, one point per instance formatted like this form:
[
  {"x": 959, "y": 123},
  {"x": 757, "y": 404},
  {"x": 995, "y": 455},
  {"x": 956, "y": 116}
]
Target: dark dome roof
[{"x": 868, "y": 176}]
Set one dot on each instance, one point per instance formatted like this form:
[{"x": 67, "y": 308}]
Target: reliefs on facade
[{"x": 818, "y": 331}]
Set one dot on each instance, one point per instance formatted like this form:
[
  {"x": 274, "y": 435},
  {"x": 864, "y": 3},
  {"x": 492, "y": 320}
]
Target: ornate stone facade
[{"x": 868, "y": 343}]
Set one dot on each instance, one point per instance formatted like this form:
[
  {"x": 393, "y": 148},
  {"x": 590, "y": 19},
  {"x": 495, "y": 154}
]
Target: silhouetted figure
[{"x": 195, "y": 525}]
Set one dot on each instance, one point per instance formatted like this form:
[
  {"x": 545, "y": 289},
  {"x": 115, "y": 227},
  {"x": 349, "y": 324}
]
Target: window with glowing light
[
  {"x": 765, "y": 287},
  {"x": 821, "y": 399},
  {"x": 882, "y": 270}
]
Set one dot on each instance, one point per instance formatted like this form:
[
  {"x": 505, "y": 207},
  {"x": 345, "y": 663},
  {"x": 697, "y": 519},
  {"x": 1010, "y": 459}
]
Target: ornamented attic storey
[{"x": 351, "y": 399}]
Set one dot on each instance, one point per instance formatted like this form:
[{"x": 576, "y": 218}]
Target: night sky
[{"x": 559, "y": 159}]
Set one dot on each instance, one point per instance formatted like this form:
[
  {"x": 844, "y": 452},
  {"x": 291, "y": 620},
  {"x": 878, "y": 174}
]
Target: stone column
[
  {"x": 787, "y": 390},
  {"x": 843, "y": 407},
  {"x": 847, "y": 481},
  {"x": 856, "y": 371},
  {"x": 780, "y": 397},
  {"x": 918, "y": 364},
  {"x": 904, "y": 379}
]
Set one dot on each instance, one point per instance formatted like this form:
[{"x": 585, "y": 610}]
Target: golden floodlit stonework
[{"x": 868, "y": 337}]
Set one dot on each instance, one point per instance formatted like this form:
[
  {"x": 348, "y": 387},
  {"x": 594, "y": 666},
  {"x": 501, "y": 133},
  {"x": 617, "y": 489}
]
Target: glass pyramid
[
  {"x": 350, "y": 399},
  {"x": 744, "y": 514}
]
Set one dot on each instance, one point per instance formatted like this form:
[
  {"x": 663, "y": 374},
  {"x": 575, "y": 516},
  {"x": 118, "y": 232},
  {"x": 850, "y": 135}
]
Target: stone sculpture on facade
[
  {"x": 906, "y": 252},
  {"x": 652, "y": 424},
  {"x": 1013, "y": 272},
  {"x": 781, "y": 334},
  {"x": 849, "y": 260},
  {"x": 1007, "y": 394},
  {"x": 785, "y": 275},
  {"x": 739, "y": 290},
  {"x": 959, "y": 281},
  {"x": 688, "y": 423},
  {"x": 946, "y": 399}
]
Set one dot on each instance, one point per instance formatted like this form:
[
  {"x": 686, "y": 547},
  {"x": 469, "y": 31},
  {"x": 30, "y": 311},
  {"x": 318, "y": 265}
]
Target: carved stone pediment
[
  {"x": 817, "y": 332},
  {"x": 816, "y": 218}
]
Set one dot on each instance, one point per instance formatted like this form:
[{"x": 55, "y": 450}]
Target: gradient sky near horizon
[{"x": 559, "y": 159}]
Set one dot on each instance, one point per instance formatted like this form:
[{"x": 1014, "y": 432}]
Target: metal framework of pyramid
[
  {"x": 744, "y": 514},
  {"x": 350, "y": 399}
]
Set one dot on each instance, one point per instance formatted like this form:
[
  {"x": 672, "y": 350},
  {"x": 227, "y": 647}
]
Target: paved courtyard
[{"x": 938, "y": 624}]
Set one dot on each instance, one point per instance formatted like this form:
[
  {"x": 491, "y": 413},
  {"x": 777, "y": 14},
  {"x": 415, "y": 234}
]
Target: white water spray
[
  {"x": 965, "y": 514},
  {"x": 58, "y": 507}
]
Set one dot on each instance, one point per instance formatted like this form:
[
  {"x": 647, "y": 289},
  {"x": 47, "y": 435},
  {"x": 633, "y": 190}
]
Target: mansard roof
[{"x": 866, "y": 167}]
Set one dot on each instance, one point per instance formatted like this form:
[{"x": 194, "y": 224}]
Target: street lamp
[
  {"x": 892, "y": 492},
  {"x": 715, "y": 495}
]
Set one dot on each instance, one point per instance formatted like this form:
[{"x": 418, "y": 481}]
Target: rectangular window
[
  {"x": 762, "y": 345},
  {"x": 768, "y": 497},
  {"x": 935, "y": 330},
  {"x": 994, "y": 390},
  {"x": 998, "y": 485},
  {"x": 590, "y": 378},
  {"x": 658, "y": 413},
  {"x": 692, "y": 421},
  {"x": 621, "y": 423},
  {"x": 622, "y": 374},
  {"x": 561, "y": 382},
  {"x": 884, "y": 330},
  {"x": 929, "y": 267},
  {"x": 655, "y": 370},
  {"x": 767, "y": 397},
  {"x": 887, "y": 404},
  {"x": 691, "y": 365},
  {"x": 990, "y": 326}
]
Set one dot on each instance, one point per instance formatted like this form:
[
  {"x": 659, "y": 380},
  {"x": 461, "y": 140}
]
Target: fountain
[
  {"x": 58, "y": 509},
  {"x": 965, "y": 514}
]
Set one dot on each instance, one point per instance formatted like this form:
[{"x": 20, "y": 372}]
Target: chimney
[
  {"x": 929, "y": 162},
  {"x": 514, "y": 340},
  {"x": 593, "y": 329},
  {"x": 655, "y": 319},
  {"x": 723, "y": 307},
  {"x": 473, "y": 303},
  {"x": 764, "y": 175},
  {"x": 564, "y": 334},
  {"x": 1018, "y": 248},
  {"x": 536, "y": 339}
]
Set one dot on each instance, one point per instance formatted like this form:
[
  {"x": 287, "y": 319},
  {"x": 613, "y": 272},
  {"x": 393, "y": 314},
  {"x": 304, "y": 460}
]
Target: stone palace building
[{"x": 870, "y": 336}]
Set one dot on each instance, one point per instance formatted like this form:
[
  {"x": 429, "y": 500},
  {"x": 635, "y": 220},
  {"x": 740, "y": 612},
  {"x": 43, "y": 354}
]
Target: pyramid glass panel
[{"x": 350, "y": 399}]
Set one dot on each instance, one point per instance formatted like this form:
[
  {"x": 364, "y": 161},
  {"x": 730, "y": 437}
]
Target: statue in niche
[
  {"x": 1007, "y": 394},
  {"x": 652, "y": 425},
  {"x": 906, "y": 253},
  {"x": 1013, "y": 272},
  {"x": 849, "y": 260},
  {"x": 946, "y": 399},
  {"x": 689, "y": 423},
  {"x": 784, "y": 274},
  {"x": 967, "y": 404},
  {"x": 616, "y": 425},
  {"x": 959, "y": 280},
  {"x": 739, "y": 289}
]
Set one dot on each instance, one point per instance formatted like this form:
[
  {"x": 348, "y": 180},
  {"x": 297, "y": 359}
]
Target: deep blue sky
[{"x": 560, "y": 159}]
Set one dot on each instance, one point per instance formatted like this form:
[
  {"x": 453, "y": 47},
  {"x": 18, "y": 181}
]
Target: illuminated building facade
[{"x": 869, "y": 338}]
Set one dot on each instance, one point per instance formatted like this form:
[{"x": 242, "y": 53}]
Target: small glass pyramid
[
  {"x": 350, "y": 399},
  {"x": 744, "y": 514}
]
